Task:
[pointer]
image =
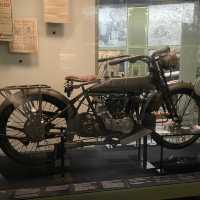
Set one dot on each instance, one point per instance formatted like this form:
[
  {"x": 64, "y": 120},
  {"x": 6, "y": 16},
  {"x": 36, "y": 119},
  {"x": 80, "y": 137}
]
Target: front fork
[
  {"x": 171, "y": 108},
  {"x": 154, "y": 102}
]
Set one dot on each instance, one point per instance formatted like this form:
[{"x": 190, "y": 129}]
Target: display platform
[{"x": 105, "y": 173}]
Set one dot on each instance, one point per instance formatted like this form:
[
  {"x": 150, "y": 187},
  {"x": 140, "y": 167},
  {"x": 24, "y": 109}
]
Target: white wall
[{"x": 71, "y": 50}]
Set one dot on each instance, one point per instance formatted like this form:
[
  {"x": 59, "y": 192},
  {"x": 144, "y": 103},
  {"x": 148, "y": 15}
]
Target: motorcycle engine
[
  {"x": 113, "y": 113},
  {"x": 124, "y": 125}
]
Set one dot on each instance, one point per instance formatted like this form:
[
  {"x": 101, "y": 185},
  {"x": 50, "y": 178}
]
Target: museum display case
[{"x": 99, "y": 99}]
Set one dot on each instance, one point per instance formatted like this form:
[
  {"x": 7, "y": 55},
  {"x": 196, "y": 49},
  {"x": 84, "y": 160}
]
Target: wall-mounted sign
[
  {"x": 25, "y": 38},
  {"x": 56, "y": 11},
  {"x": 6, "y": 23}
]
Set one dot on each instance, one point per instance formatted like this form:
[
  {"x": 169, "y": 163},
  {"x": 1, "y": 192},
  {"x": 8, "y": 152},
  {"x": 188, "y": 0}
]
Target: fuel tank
[{"x": 123, "y": 85}]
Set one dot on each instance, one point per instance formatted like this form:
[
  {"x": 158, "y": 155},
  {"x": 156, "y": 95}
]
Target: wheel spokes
[
  {"x": 186, "y": 110},
  {"x": 15, "y": 129}
]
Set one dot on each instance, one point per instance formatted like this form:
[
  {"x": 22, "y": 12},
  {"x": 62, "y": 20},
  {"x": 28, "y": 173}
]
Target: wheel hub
[{"x": 35, "y": 128}]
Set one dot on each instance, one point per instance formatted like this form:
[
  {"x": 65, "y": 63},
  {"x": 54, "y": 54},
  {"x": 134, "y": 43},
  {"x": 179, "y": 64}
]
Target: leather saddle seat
[{"x": 87, "y": 78}]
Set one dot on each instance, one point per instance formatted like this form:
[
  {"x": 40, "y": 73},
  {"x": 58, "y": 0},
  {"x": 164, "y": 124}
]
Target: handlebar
[
  {"x": 166, "y": 60},
  {"x": 112, "y": 58},
  {"x": 131, "y": 59}
]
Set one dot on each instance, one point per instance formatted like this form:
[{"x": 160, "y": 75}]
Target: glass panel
[
  {"x": 165, "y": 23},
  {"x": 141, "y": 27},
  {"x": 112, "y": 26},
  {"x": 190, "y": 43}
]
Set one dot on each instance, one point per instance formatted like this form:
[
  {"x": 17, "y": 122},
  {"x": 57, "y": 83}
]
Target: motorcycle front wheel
[
  {"x": 24, "y": 137},
  {"x": 171, "y": 134}
]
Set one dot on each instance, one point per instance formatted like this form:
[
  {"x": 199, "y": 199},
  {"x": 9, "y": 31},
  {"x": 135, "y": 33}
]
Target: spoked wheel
[
  {"x": 27, "y": 136},
  {"x": 188, "y": 110}
]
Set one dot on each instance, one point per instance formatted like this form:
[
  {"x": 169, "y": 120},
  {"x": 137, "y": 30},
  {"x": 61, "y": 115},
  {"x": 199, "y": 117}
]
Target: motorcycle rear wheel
[
  {"x": 187, "y": 105},
  {"x": 34, "y": 149}
]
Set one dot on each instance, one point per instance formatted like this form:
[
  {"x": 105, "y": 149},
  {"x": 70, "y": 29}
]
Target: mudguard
[
  {"x": 19, "y": 98},
  {"x": 155, "y": 98}
]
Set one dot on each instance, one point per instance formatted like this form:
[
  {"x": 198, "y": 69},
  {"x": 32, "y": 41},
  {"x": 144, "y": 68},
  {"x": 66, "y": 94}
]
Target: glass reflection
[{"x": 140, "y": 27}]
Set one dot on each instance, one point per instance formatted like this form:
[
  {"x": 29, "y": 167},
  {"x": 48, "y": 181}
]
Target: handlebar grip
[{"x": 163, "y": 50}]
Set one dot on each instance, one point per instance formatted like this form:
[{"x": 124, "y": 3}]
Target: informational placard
[
  {"x": 56, "y": 11},
  {"x": 6, "y": 22},
  {"x": 25, "y": 38}
]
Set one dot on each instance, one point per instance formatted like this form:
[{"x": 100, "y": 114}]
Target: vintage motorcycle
[{"x": 107, "y": 111}]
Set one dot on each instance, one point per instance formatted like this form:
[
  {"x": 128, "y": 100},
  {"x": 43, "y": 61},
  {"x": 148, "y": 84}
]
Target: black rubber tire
[
  {"x": 47, "y": 95},
  {"x": 180, "y": 88}
]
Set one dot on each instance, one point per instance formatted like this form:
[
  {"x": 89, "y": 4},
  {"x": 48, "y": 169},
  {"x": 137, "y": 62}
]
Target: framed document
[
  {"x": 56, "y": 11},
  {"x": 25, "y": 38},
  {"x": 6, "y": 22}
]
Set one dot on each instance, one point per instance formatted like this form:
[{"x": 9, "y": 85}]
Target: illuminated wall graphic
[
  {"x": 112, "y": 26},
  {"x": 165, "y": 23}
]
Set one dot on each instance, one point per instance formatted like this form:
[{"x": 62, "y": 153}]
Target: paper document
[
  {"x": 56, "y": 11},
  {"x": 6, "y": 22},
  {"x": 25, "y": 38}
]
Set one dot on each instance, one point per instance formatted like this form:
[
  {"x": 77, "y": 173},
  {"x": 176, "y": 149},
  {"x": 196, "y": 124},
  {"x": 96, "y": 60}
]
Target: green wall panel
[
  {"x": 137, "y": 27},
  {"x": 137, "y": 37}
]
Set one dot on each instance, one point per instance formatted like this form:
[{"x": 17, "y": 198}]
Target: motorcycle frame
[{"x": 157, "y": 78}]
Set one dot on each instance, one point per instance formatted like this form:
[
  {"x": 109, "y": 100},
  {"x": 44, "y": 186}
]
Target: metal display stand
[
  {"x": 142, "y": 153},
  {"x": 161, "y": 160},
  {"x": 145, "y": 152},
  {"x": 61, "y": 151},
  {"x": 162, "y": 148}
]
